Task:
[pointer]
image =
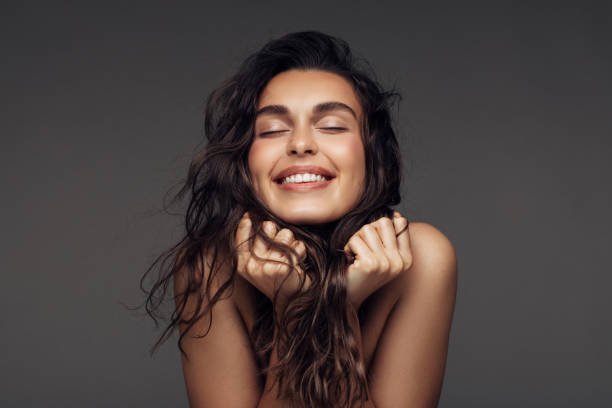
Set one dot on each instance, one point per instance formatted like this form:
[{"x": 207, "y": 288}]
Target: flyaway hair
[{"x": 318, "y": 355}]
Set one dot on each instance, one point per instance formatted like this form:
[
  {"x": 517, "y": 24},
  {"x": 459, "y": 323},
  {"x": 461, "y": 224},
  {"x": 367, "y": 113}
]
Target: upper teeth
[{"x": 303, "y": 178}]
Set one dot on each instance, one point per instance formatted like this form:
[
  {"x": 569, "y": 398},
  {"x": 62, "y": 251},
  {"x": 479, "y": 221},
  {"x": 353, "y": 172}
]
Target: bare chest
[{"x": 373, "y": 313}]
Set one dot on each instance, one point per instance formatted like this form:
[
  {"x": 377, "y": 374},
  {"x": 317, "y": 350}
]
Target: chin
[{"x": 307, "y": 218}]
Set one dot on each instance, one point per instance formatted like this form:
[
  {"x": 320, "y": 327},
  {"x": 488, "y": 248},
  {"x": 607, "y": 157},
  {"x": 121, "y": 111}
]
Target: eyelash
[
  {"x": 280, "y": 131},
  {"x": 271, "y": 132},
  {"x": 334, "y": 128}
]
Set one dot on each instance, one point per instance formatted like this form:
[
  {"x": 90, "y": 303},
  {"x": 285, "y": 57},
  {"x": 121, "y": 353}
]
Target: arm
[
  {"x": 408, "y": 366},
  {"x": 221, "y": 371}
]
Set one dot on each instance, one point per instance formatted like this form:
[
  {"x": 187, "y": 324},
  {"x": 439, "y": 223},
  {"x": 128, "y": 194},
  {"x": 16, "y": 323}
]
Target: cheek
[
  {"x": 257, "y": 160},
  {"x": 358, "y": 162},
  {"x": 261, "y": 159},
  {"x": 350, "y": 156},
  {"x": 358, "y": 153}
]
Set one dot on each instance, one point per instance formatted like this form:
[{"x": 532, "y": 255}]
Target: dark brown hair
[{"x": 319, "y": 362}]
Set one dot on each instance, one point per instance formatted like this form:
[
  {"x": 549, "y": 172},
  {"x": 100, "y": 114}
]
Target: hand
[
  {"x": 380, "y": 256},
  {"x": 268, "y": 276}
]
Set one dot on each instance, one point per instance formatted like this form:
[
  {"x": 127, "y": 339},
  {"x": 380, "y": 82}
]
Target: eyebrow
[{"x": 319, "y": 108}]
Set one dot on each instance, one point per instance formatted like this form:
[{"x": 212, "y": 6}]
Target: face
[{"x": 307, "y": 159}]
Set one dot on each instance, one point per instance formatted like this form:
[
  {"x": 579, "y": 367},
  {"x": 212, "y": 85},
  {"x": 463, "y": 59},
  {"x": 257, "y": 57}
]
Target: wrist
[
  {"x": 279, "y": 306},
  {"x": 354, "y": 301}
]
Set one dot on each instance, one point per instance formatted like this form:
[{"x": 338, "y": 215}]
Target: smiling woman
[
  {"x": 322, "y": 295},
  {"x": 308, "y": 124}
]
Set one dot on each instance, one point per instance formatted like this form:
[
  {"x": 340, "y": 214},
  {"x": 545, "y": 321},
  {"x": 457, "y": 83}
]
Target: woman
[{"x": 296, "y": 284}]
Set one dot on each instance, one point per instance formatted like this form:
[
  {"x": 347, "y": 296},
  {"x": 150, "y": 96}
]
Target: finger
[
  {"x": 260, "y": 247},
  {"x": 270, "y": 228},
  {"x": 300, "y": 248},
  {"x": 357, "y": 246},
  {"x": 381, "y": 256},
  {"x": 285, "y": 236},
  {"x": 403, "y": 239},
  {"x": 242, "y": 234},
  {"x": 369, "y": 234},
  {"x": 386, "y": 231},
  {"x": 245, "y": 261}
]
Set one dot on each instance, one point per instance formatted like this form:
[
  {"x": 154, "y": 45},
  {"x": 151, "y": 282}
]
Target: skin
[
  {"x": 401, "y": 288},
  {"x": 303, "y": 137}
]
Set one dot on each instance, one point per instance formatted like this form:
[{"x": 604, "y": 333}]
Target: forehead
[{"x": 299, "y": 89}]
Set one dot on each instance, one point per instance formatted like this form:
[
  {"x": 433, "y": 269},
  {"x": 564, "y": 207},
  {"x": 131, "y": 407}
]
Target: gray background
[{"x": 505, "y": 123}]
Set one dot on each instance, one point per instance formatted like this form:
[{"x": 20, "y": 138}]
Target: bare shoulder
[
  {"x": 202, "y": 271},
  {"x": 219, "y": 364},
  {"x": 241, "y": 294},
  {"x": 411, "y": 373},
  {"x": 434, "y": 256}
]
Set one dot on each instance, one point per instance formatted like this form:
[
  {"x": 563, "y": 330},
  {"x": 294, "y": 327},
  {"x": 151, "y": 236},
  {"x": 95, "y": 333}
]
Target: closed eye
[
  {"x": 272, "y": 131},
  {"x": 334, "y": 128},
  {"x": 281, "y": 131}
]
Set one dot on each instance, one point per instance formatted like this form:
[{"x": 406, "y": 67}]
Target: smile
[
  {"x": 303, "y": 178},
  {"x": 297, "y": 183}
]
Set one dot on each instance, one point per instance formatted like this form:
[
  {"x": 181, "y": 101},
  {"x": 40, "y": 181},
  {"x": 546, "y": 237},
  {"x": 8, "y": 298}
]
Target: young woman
[{"x": 296, "y": 284}]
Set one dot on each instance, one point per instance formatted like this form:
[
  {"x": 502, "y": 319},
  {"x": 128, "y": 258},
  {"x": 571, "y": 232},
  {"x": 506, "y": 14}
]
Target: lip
[
  {"x": 311, "y": 185},
  {"x": 304, "y": 169}
]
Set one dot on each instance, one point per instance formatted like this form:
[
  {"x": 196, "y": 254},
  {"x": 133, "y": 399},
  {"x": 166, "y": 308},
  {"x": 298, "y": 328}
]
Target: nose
[{"x": 302, "y": 142}]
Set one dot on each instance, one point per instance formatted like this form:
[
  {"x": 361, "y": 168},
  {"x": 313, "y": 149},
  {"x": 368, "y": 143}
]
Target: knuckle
[
  {"x": 402, "y": 222},
  {"x": 369, "y": 264},
  {"x": 385, "y": 222},
  {"x": 251, "y": 266},
  {"x": 289, "y": 233},
  {"x": 408, "y": 261},
  {"x": 285, "y": 235},
  {"x": 268, "y": 227},
  {"x": 367, "y": 227},
  {"x": 397, "y": 265},
  {"x": 269, "y": 270},
  {"x": 281, "y": 268},
  {"x": 301, "y": 250}
]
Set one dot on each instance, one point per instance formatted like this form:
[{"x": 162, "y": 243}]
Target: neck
[{"x": 323, "y": 230}]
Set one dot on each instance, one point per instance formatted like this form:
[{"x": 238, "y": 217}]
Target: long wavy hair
[{"x": 318, "y": 355}]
